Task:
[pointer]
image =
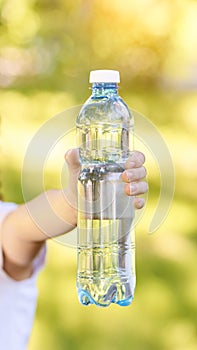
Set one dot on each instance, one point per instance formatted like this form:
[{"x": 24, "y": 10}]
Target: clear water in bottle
[{"x": 106, "y": 241}]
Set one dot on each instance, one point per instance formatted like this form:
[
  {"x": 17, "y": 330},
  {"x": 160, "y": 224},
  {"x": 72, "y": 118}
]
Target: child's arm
[{"x": 22, "y": 236}]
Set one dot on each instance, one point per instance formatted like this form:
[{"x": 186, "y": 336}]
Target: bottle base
[{"x": 86, "y": 299}]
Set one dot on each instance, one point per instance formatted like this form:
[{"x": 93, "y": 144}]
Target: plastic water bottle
[{"x": 106, "y": 242}]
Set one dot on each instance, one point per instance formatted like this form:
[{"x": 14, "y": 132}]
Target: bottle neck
[{"x": 104, "y": 89}]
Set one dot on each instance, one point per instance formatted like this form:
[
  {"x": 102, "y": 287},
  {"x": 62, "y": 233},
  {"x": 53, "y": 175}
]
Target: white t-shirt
[{"x": 17, "y": 299}]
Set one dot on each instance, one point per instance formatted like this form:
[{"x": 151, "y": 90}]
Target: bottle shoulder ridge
[{"x": 114, "y": 105}]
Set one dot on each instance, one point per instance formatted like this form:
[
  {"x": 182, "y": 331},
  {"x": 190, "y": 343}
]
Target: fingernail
[
  {"x": 133, "y": 188},
  {"x": 129, "y": 175},
  {"x": 140, "y": 203}
]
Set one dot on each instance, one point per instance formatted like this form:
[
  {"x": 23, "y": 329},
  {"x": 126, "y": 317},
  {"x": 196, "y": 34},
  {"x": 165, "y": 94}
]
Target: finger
[
  {"x": 72, "y": 159},
  {"x": 138, "y": 202},
  {"x": 134, "y": 174},
  {"x": 136, "y": 188},
  {"x": 136, "y": 160}
]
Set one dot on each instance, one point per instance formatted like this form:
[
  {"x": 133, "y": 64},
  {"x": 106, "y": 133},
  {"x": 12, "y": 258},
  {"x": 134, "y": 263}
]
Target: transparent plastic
[{"x": 106, "y": 241}]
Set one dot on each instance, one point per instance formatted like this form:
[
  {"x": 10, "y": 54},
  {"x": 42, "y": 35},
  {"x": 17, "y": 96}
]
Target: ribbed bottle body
[{"x": 106, "y": 242}]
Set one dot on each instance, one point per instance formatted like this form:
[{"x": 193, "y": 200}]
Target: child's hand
[{"x": 132, "y": 176}]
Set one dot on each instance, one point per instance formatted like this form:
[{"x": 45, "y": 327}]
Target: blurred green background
[{"x": 47, "y": 49}]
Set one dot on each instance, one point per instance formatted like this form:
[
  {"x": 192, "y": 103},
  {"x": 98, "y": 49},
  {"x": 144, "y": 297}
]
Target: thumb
[
  {"x": 72, "y": 160},
  {"x": 73, "y": 164}
]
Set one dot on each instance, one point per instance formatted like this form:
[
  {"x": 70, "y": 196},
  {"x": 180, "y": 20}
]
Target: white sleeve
[{"x": 17, "y": 299}]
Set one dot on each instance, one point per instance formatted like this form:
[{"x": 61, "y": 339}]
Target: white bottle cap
[{"x": 104, "y": 76}]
